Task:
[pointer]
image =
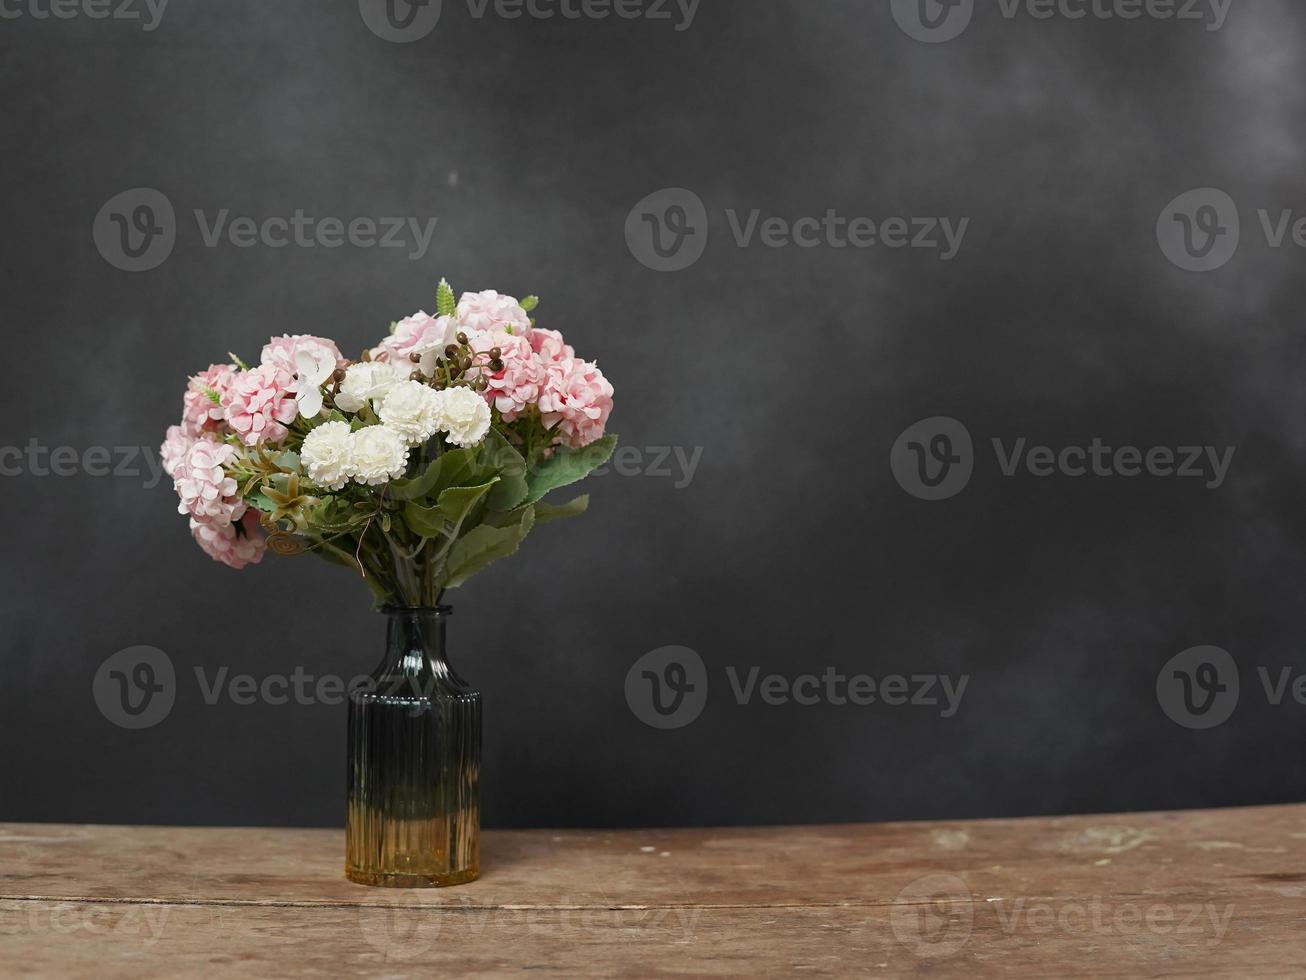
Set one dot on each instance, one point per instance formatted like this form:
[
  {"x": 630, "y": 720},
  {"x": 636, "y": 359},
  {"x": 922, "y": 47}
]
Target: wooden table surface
[{"x": 1202, "y": 894}]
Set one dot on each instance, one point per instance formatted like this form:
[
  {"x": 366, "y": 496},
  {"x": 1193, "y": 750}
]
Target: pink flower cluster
[
  {"x": 260, "y": 404},
  {"x": 539, "y": 368},
  {"x": 255, "y": 405}
]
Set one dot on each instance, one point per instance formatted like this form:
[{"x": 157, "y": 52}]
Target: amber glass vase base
[{"x": 411, "y": 881}]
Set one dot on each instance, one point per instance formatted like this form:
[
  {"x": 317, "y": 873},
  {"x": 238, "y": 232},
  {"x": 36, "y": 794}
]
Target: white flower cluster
[{"x": 410, "y": 414}]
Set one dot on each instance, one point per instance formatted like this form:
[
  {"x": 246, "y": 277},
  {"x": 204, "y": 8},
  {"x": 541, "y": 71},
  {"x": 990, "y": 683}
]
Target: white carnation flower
[
  {"x": 326, "y": 455},
  {"x": 413, "y": 410},
  {"x": 464, "y": 416},
  {"x": 377, "y": 454},
  {"x": 369, "y": 381}
]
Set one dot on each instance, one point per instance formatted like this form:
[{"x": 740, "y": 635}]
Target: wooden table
[{"x": 1207, "y": 894}]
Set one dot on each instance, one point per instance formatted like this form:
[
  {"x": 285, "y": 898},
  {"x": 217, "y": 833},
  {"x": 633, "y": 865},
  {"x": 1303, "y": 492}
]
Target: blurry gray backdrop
[{"x": 780, "y": 335}]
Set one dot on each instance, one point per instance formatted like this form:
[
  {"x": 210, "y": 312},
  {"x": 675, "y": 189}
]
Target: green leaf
[
  {"x": 544, "y": 513},
  {"x": 262, "y": 503},
  {"x": 505, "y": 518},
  {"x": 446, "y": 304},
  {"x": 456, "y": 502},
  {"x": 567, "y": 466},
  {"x": 486, "y": 544},
  {"x": 447, "y": 471},
  {"x": 498, "y": 455},
  {"x": 529, "y": 303},
  {"x": 425, "y": 522}
]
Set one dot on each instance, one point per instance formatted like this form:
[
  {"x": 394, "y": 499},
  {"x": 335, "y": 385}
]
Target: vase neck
[{"x": 415, "y": 639}]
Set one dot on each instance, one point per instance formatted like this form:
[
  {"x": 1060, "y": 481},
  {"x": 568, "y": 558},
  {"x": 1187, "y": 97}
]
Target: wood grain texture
[{"x": 1216, "y": 893}]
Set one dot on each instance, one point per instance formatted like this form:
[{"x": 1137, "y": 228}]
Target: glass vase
[{"x": 414, "y": 813}]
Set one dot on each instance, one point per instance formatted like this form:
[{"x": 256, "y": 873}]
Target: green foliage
[
  {"x": 425, "y": 522},
  {"x": 446, "y": 303},
  {"x": 529, "y": 303},
  {"x": 447, "y": 471},
  {"x": 486, "y": 544},
  {"x": 499, "y": 456},
  {"x": 544, "y": 513},
  {"x": 568, "y": 466}
]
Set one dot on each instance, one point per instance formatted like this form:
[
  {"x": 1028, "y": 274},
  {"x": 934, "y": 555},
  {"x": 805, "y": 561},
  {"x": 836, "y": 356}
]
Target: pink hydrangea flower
[
  {"x": 420, "y": 333},
  {"x": 260, "y": 404},
  {"x": 519, "y": 384},
  {"x": 175, "y": 446},
  {"x": 200, "y": 413},
  {"x": 206, "y": 492},
  {"x": 281, "y": 352},
  {"x": 576, "y": 402},
  {"x": 236, "y": 544},
  {"x": 550, "y": 346},
  {"x": 492, "y": 312}
]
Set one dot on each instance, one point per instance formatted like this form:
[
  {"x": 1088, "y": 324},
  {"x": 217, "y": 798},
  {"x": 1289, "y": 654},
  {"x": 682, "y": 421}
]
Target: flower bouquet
[{"x": 416, "y": 466}]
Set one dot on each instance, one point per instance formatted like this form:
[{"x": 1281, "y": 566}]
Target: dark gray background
[{"x": 794, "y": 548}]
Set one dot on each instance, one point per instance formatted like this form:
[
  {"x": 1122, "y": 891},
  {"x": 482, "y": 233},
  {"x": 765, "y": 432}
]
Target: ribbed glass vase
[{"x": 414, "y": 817}]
